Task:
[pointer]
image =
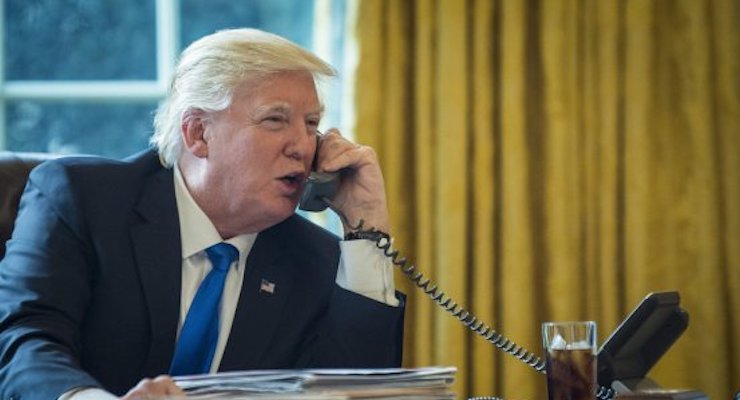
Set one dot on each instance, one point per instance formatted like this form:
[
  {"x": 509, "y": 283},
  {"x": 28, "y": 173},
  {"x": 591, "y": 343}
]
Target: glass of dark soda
[{"x": 570, "y": 355}]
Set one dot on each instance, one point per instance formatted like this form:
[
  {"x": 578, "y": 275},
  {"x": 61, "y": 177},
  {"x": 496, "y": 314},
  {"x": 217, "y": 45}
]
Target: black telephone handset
[{"x": 319, "y": 186}]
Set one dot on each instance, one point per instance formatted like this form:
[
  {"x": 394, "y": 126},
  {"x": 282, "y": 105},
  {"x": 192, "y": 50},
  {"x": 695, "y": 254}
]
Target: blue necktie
[{"x": 199, "y": 334}]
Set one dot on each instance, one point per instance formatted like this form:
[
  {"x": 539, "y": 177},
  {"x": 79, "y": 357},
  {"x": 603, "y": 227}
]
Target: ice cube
[{"x": 558, "y": 343}]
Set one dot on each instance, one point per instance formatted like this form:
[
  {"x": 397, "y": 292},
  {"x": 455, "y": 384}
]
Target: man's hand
[
  {"x": 159, "y": 387},
  {"x": 361, "y": 194}
]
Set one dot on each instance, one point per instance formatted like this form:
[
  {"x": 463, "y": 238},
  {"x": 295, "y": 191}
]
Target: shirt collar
[{"x": 197, "y": 232}]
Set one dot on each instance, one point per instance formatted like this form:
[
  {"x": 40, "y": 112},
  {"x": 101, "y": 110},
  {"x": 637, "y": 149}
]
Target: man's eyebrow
[
  {"x": 319, "y": 110},
  {"x": 281, "y": 107}
]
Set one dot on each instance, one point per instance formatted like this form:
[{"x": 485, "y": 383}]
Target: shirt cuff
[
  {"x": 364, "y": 269},
  {"x": 87, "y": 394}
]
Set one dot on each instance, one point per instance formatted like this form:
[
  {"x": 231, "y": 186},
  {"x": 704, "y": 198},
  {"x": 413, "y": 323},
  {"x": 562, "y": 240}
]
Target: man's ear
[{"x": 193, "y": 129}]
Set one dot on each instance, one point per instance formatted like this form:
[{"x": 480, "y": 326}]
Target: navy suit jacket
[{"x": 90, "y": 288}]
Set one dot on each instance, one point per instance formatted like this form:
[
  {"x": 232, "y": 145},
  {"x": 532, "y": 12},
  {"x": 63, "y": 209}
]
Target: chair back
[{"x": 14, "y": 170}]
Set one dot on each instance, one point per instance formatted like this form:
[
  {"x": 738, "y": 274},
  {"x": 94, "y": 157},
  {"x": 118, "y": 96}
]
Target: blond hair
[{"x": 212, "y": 67}]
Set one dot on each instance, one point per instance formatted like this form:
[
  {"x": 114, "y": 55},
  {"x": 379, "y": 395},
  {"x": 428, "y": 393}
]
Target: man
[{"x": 111, "y": 261}]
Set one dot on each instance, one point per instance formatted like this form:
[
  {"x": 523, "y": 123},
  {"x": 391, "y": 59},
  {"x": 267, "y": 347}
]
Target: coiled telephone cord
[{"x": 383, "y": 242}]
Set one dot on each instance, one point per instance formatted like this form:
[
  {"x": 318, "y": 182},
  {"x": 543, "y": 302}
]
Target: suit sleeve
[
  {"x": 44, "y": 290},
  {"x": 350, "y": 329},
  {"x": 359, "y": 332}
]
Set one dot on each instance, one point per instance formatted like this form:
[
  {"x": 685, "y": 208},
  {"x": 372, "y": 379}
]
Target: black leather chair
[{"x": 14, "y": 170}]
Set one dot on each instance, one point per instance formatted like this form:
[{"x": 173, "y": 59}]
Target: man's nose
[{"x": 301, "y": 144}]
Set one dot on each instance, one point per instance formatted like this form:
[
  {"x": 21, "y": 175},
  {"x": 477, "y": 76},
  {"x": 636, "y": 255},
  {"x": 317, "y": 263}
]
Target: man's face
[{"x": 260, "y": 151}]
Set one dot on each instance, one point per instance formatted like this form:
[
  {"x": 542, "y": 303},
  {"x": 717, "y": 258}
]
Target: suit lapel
[
  {"x": 157, "y": 248},
  {"x": 258, "y": 311}
]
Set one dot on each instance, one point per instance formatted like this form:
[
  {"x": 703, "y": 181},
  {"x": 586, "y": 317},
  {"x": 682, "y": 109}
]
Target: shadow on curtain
[{"x": 558, "y": 160}]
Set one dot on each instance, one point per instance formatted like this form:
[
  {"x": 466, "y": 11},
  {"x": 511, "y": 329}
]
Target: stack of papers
[{"x": 429, "y": 383}]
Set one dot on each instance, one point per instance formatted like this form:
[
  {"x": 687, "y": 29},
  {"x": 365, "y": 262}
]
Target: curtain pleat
[
  {"x": 482, "y": 220},
  {"x": 558, "y": 160}
]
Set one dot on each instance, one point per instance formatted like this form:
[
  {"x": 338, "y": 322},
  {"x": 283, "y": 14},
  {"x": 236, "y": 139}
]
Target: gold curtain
[{"x": 558, "y": 160}]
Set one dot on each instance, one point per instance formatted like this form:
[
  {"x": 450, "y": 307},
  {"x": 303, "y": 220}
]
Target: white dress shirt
[{"x": 362, "y": 269}]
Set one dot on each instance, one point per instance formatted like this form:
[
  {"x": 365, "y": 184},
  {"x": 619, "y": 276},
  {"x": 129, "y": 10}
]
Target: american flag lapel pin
[{"x": 267, "y": 286}]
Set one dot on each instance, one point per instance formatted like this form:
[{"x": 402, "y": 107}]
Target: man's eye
[
  {"x": 312, "y": 124},
  {"x": 274, "y": 121}
]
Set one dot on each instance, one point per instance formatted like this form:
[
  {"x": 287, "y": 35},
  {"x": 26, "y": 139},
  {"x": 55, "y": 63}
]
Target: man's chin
[
  {"x": 273, "y": 214},
  {"x": 284, "y": 210}
]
